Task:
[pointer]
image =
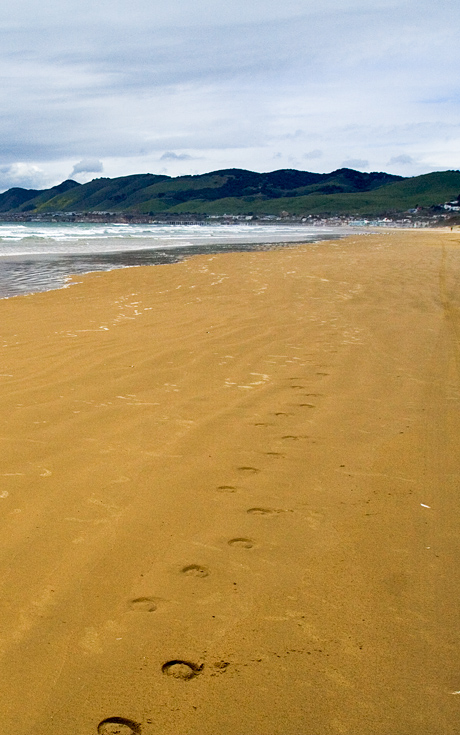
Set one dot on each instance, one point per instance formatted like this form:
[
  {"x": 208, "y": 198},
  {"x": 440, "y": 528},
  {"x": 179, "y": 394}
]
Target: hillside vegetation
[{"x": 236, "y": 191}]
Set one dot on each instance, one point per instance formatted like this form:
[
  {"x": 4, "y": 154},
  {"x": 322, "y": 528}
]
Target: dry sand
[{"x": 248, "y": 463}]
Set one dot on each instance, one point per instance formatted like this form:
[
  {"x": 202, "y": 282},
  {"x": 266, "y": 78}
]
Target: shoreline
[
  {"x": 229, "y": 493},
  {"x": 51, "y": 270}
]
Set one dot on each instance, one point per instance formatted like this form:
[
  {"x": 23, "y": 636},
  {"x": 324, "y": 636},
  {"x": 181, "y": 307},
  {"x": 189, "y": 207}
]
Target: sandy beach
[{"x": 229, "y": 495}]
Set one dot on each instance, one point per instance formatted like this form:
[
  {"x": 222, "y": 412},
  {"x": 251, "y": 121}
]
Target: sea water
[{"x": 40, "y": 256}]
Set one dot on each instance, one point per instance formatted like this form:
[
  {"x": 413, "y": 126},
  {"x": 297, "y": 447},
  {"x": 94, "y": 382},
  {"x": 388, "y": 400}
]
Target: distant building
[{"x": 452, "y": 206}]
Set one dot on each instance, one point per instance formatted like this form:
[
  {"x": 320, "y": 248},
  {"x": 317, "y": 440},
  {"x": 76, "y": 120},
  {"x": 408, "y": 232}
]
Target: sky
[{"x": 94, "y": 88}]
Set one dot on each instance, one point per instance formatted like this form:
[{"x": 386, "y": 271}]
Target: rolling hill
[{"x": 237, "y": 191}]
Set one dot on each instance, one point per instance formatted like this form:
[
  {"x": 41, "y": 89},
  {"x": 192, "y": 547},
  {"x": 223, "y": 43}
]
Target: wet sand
[{"x": 229, "y": 495}]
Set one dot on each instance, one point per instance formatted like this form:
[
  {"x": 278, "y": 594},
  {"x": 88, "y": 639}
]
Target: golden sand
[{"x": 229, "y": 495}]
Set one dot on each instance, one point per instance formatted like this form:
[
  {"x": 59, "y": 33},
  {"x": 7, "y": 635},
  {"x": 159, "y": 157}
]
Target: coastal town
[{"x": 437, "y": 216}]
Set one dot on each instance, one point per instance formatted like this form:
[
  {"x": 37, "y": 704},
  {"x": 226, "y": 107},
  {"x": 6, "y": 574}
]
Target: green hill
[{"x": 236, "y": 191}]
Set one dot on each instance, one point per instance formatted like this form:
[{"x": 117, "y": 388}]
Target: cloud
[
  {"x": 403, "y": 159},
  {"x": 88, "y": 165},
  {"x": 22, "y": 175},
  {"x": 171, "y": 156},
  {"x": 232, "y": 82},
  {"x": 355, "y": 163},
  {"x": 311, "y": 155},
  {"x": 295, "y": 135}
]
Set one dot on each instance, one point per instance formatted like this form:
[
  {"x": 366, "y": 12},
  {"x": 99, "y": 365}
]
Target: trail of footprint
[
  {"x": 226, "y": 489},
  {"x": 144, "y": 604},
  {"x": 249, "y": 470},
  {"x": 264, "y": 511},
  {"x": 195, "y": 570},
  {"x": 118, "y": 726},
  {"x": 184, "y": 670},
  {"x": 242, "y": 543}
]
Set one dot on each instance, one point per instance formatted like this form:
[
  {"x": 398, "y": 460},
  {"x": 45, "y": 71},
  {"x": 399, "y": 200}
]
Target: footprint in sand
[
  {"x": 241, "y": 543},
  {"x": 294, "y": 437},
  {"x": 307, "y": 405},
  {"x": 263, "y": 511},
  {"x": 118, "y": 726},
  {"x": 249, "y": 470},
  {"x": 144, "y": 604},
  {"x": 195, "y": 570},
  {"x": 184, "y": 670},
  {"x": 226, "y": 488}
]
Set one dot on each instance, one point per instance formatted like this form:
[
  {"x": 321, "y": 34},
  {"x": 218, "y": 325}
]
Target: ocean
[{"x": 40, "y": 256}]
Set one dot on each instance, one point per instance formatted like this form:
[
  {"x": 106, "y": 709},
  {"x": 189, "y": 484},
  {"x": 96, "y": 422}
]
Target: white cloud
[{"x": 22, "y": 175}]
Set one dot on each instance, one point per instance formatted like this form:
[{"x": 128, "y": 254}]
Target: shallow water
[{"x": 41, "y": 256}]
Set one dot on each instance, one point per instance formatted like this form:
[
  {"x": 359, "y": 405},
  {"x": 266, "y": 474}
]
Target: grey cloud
[
  {"x": 311, "y": 155},
  {"x": 119, "y": 13},
  {"x": 125, "y": 51},
  {"x": 171, "y": 156},
  {"x": 355, "y": 163},
  {"x": 127, "y": 81},
  {"x": 407, "y": 132},
  {"x": 403, "y": 160},
  {"x": 88, "y": 165},
  {"x": 295, "y": 135}
]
